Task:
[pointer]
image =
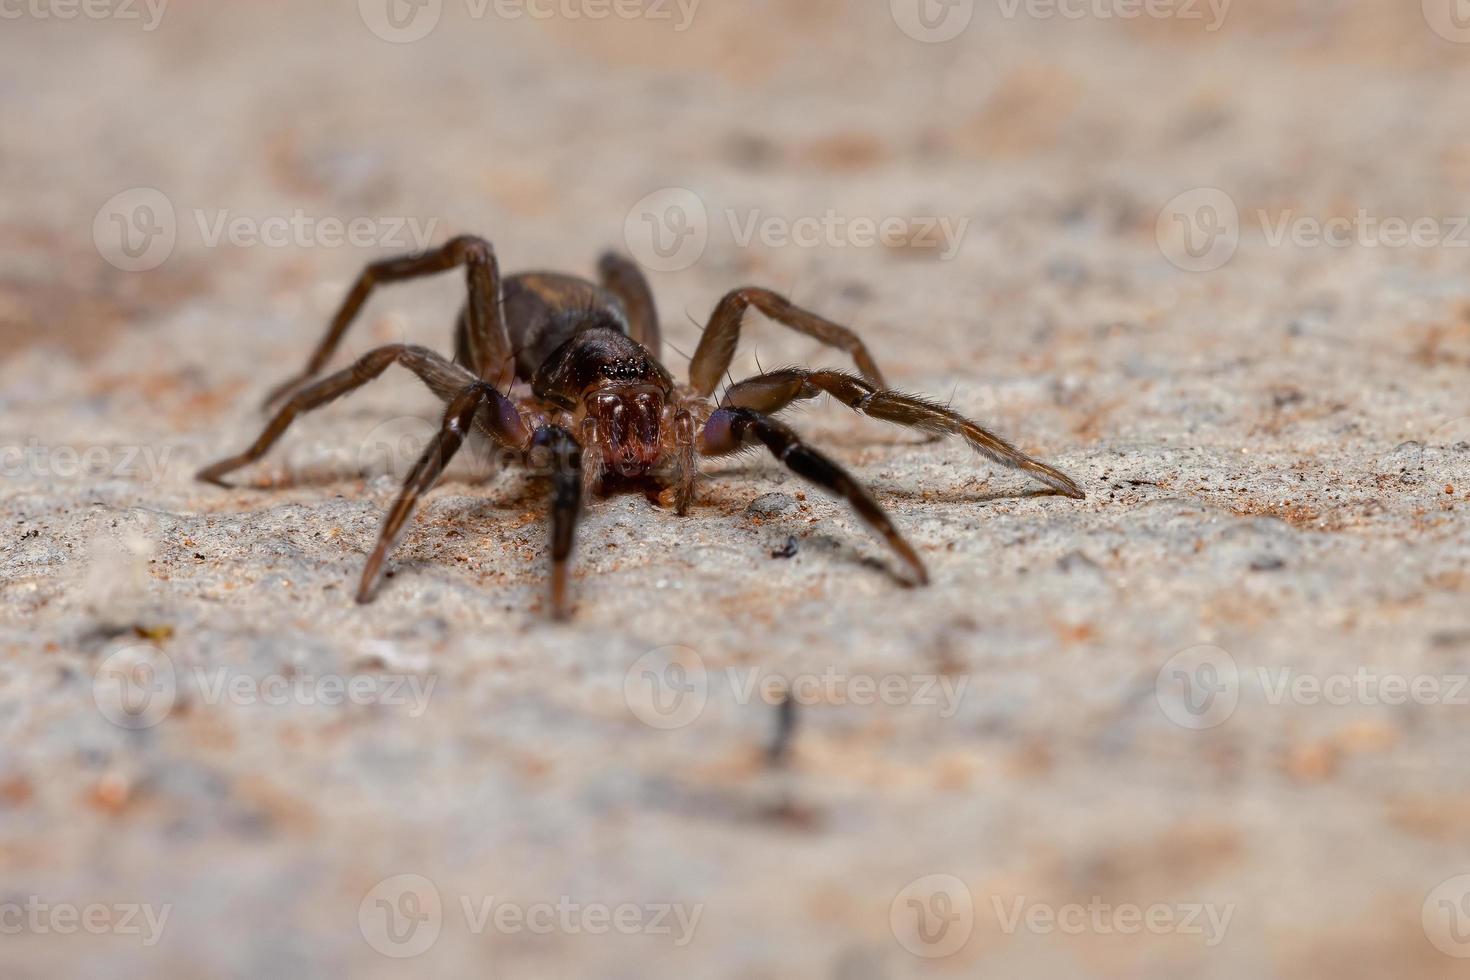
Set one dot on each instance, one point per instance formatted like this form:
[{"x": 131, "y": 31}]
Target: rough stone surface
[{"x": 1276, "y": 452}]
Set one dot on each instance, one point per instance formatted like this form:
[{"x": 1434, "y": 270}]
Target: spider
[{"x": 560, "y": 369}]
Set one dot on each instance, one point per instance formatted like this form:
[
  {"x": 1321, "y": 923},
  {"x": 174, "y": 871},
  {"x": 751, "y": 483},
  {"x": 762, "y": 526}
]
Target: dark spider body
[{"x": 554, "y": 367}]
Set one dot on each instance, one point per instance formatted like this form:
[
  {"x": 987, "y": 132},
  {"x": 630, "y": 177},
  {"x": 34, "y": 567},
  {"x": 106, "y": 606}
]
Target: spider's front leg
[
  {"x": 731, "y": 429},
  {"x": 721, "y": 336},
  {"x": 566, "y": 505},
  {"x": 443, "y": 378},
  {"x": 483, "y": 341},
  {"x": 478, "y": 405},
  {"x": 775, "y": 390}
]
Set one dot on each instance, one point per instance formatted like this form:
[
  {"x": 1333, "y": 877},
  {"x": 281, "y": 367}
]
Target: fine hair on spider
[{"x": 566, "y": 372}]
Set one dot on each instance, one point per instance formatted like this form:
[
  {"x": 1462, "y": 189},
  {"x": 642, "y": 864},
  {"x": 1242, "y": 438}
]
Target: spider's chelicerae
[{"x": 552, "y": 365}]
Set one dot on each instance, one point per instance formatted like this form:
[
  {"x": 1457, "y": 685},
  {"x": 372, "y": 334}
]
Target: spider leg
[
  {"x": 463, "y": 413},
  {"x": 482, "y": 334},
  {"x": 717, "y": 344},
  {"x": 774, "y": 391},
  {"x": 566, "y": 505},
  {"x": 443, "y": 377},
  {"x": 624, "y": 279},
  {"x": 731, "y": 429}
]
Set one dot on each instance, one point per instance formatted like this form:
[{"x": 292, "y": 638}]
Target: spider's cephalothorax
[
  {"x": 618, "y": 395},
  {"x": 547, "y": 364}
]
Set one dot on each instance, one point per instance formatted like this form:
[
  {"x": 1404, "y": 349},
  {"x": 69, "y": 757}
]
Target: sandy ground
[{"x": 1208, "y": 722}]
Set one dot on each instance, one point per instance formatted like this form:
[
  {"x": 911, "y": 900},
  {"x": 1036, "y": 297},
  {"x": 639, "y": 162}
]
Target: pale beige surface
[{"x": 1277, "y": 454}]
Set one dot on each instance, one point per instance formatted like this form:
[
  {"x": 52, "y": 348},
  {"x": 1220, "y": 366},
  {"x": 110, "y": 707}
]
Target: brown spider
[{"x": 543, "y": 357}]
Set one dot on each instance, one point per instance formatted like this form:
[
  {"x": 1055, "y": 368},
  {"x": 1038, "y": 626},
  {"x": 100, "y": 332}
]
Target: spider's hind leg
[{"x": 501, "y": 421}]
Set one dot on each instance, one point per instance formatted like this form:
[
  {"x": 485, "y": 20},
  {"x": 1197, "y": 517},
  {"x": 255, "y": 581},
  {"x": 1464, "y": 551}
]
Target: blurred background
[{"x": 1207, "y": 256}]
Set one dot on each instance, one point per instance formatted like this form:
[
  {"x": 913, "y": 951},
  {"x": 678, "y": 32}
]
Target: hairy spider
[{"x": 548, "y": 364}]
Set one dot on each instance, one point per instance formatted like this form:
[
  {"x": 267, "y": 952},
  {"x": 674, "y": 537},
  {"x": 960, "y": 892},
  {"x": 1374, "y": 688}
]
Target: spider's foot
[
  {"x": 1056, "y": 479},
  {"x": 676, "y": 499},
  {"x": 216, "y": 473}
]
